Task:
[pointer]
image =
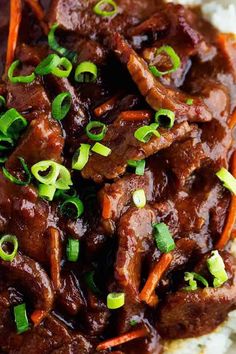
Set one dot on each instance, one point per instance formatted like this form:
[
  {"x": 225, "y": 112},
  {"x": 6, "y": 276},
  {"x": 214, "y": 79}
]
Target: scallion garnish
[
  {"x": 63, "y": 69},
  {"x": 19, "y": 79},
  {"x": 139, "y": 198},
  {"x": 229, "y": 181},
  {"x": 86, "y": 72},
  {"x": 2, "y": 102},
  {"x": 61, "y": 105},
  {"x": 5, "y": 142},
  {"x": 145, "y": 132},
  {"x": 93, "y": 125},
  {"x": 165, "y": 118},
  {"x": 21, "y": 319},
  {"x": 52, "y": 173},
  {"x": 115, "y": 300},
  {"x": 46, "y": 191},
  {"x": 12, "y": 123},
  {"x": 89, "y": 278},
  {"x": 189, "y": 101},
  {"x": 81, "y": 157},
  {"x": 174, "y": 58},
  {"x": 139, "y": 166},
  {"x": 72, "y": 250},
  {"x": 101, "y": 149},
  {"x": 6, "y": 256},
  {"x": 72, "y": 208},
  {"x": 192, "y": 278},
  {"x": 164, "y": 240},
  {"x": 47, "y": 65},
  {"x": 15, "y": 180},
  {"x": 216, "y": 267},
  {"x": 99, "y": 8},
  {"x": 53, "y": 44}
]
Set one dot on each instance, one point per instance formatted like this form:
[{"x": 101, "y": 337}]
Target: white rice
[{"x": 221, "y": 13}]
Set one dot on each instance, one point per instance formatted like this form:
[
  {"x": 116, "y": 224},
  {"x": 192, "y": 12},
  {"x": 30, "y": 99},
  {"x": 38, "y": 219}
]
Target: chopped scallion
[
  {"x": 81, "y": 157},
  {"x": 61, "y": 105},
  {"x": 93, "y": 125},
  {"x": 86, "y": 72},
  {"x": 47, "y": 65},
  {"x": 165, "y": 118},
  {"x": 26, "y": 79},
  {"x": 72, "y": 208},
  {"x": 139, "y": 166},
  {"x": 139, "y": 198},
  {"x": 216, "y": 267},
  {"x": 21, "y": 319},
  {"x": 72, "y": 250},
  {"x": 229, "y": 181},
  {"x": 115, "y": 300},
  {"x": 63, "y": 69},
  {"x": 6, "y": 256},
  {"x": 12, "y": 123},
  {"x": 174, "y": 58},
  {"x": 89, "y": 278},
  {"x": 145, "y": 132},
  {"x": 100, "y": 8},
  {"x": 101, "y": 149},
  {"x": 192, "y": 278},
  {"x": 164, "y": 240},
  {"x": 15, "y": 180},
  {"x": 46, "y": 191}
]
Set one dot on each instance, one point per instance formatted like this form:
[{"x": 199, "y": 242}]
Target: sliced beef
[
  {"x": 189, "y": 314},
  {"x": 42, "y": 141},
  {"x": 124, "y": 146}
]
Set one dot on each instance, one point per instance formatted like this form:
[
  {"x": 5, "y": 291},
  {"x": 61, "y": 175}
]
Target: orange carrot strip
[
  {"x": 106, "y": 208},
  {"x": 37, "y": 316},
  {"x": 233, "y": 234},
  {"x": 106, "y": 106},
  {"x": 154, "y": 277},
  {"x": 135, "y": 115},
  {"x": 232, "y": 121},
  {"x": 226, "y": 234},
  {"x": 55, "y": 257},
  {"x": 39, "y": 13},
  {"x": 124, "y": 338},
  {"x": 15, "y": 19},
  {"x": 153, "y": 300}
]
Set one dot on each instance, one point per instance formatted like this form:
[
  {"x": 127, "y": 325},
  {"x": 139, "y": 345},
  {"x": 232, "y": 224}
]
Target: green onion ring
[
  {"x": 2, "y": 101},
  {"x": 5, "y": 142},
  {"x": 21, "y": 319},
  {"x": 9, "y": 239},
  {"x": 145, "y": 132},
  {"x": 101, "y": 149},
  {"x": 89, "y": 279},
  {"x": 164, "y": 240},
  {"x": 46, "y": 191},
  {"x": 12, "y": 123},
  {"x": 81, "y": 157},
  {"x": 53, "y": 44},
  {"x": 165, "y": 118},
  {"x": 64, "y": 63},
  {"x": 72, "y": 250},
  {"x": 98, "y": 8},
  {"x": 93, "y": 125},
  {"x": 175, "y": 60},
  {"x": 19, "y": 79},
  {"x": 139, "y": 166},
  {"x": 15, "y": 180},
  {"x": 72, "y": 208},
  {"x": 228, "y": 180},
  {"x": 47, "y": 65},
  {"x": 61, "y": 105},
  {"x": 115, "y": 300},
  {"x": 86, "y": 72}
]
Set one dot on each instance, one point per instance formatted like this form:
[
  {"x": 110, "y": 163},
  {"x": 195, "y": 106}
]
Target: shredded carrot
[
  {"x": 106, "y": 106},
  {"x": 232, "y": 121},
  {"x": 37, "y": 316},
  {"x": 135, "y": 115},
  {"x": 153, "y": 300},
  {"x": 233, "y": 234},
  {"x": 124, "y": 338},
  {"x": 226, "y": 234},
  {"x": 39, "y": 13},
  {"x": 154, "y": 277},
  {"x": 55, "y": 257},
  {"x": 106, "y": 208},
  {"x": 15, "y": 20}
]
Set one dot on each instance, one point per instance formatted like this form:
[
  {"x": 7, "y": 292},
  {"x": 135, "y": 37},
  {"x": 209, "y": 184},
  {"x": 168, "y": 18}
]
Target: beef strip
[{"x": 124, "y": 146}]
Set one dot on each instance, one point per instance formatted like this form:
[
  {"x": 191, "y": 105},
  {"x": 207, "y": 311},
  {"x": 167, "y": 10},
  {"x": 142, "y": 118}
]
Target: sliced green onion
[
  {"x": 165, "y": 118},
  {"x": 63, "y": 69},
  {"x": 189, "y": 101},
  {"x": 86, "y": 72},
  {"x": 46, "y": 191},
  {"x": 12, "y": 123},
  {"x": 15, "y": 180},
  {"x": 139, "y": 166},
  {"x": 101, "y": 149},
  {"x": 139, "y": 198},
  {"x": 89, "y": 278},
  {"x": 19, "y": 79},
  {"x": 2, "y": 102},
  {"x": 14, "y": 242},
  {"x": 5, "y": 143},
  {"x": 52, "y": 173},
  {"x": 99, "y": 8},
  {"x": 47, "y": 65},
  {"x": 72, "y": 250},
  {"x": 145, "y": 132},
  {"x": 115, "y": 300},
  {"x": 192, "y": 278},
  {"x": 3, "y": 159},
  {"x": 229, "y": 181},
  {"x": 96, "y": 124},
  {"x": 164, "y": 240},
  {"x": 53, "y": 44},
  {"x": 21, "y": 319},
  {"x": 81, "y": 157},
  {"x": 216, "y": 267},
  {"x": 133, "y": 322},
  {"x": 61, "y": 105},
  {"x": 72, "y": 208},
  {"x": 65, "y": 195},
  {"x": 175, "y": 60}
]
